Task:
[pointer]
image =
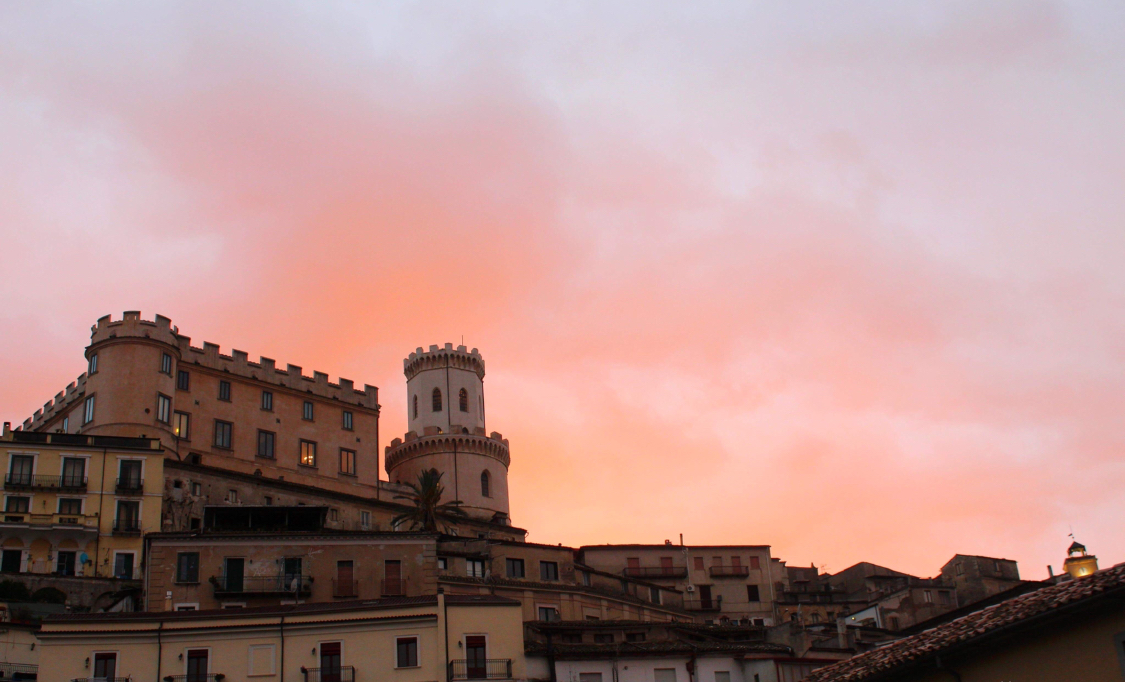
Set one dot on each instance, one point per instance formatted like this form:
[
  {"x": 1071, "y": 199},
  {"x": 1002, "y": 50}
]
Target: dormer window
[
  {"x": 437, "y": 400},
  {"x": 463, "y": 400}
]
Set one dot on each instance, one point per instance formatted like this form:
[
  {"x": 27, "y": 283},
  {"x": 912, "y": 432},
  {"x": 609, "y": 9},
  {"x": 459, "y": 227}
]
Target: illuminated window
[
  {"x": 308, "y": 453},
  {"x": 181, "y": 425},
  {"x": 347, "y": 462}
]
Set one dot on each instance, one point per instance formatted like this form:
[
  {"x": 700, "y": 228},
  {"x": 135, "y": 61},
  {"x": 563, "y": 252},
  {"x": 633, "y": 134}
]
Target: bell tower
[{"x": 446, "y": 417}]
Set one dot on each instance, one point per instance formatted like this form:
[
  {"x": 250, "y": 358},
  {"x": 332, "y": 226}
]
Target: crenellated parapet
[
  {"x": 62, "y": 402},
  {"x": 237, "y": 363},
  {"x": 399, "y": 451},
  {"x": 439, "y": 358}
]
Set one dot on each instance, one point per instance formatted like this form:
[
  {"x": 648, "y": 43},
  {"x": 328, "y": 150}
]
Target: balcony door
[
  {"x": 73, "y": 472},
  {"x": 392, "y": 585},
  {"x": 476, "y": 657},
  {"x": 234, "y": 571},
  {"x": 345, "y": 579},
  {"x": 130, "y": 474},
  {"x": 197, "y": 665},
  {"x": 291, "y": 574},
  {"x": 705, "y": 596},
  {"x": 330, "y": 662},
  {"x": 21, "y": 470},
  {"x": 105, "y": 666}
]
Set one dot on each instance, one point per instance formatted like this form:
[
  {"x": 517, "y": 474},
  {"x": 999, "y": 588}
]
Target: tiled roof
[{"x": 947, "y": 638}]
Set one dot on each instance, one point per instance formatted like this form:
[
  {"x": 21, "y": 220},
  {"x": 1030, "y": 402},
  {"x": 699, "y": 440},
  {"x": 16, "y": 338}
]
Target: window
[
  {"x": 65, "y": 424},
  {"x": 166, "y": 364},
  {"x": 64, "y": 563},
  {"x": 123, "y": 565},
  {"x": 484, "y": 487},
  {"x": 442, "y": 563},
  {"x": 265, "y": 444},
  {"x": 197, "y": 664},
  {"x": 586, "y": 578},
  {"x": 129, "y": 474},
  {"x": 181, "y": 425},
  {"x": 347, "y": 462},
  {"x": 187, "y": 607},
  {"x": 463, "y": 400},
  {"x": 515, "y": 568},
  {"x": 20, "y": 468},
  {"x": 163, "y": 409},
  {"x": 74, "y": 472},
  {"x": 755, "y": 562},
  {"x": 17, "y": 505},
  {"x": 183, "y": 380},
  {"x": 960, "y": 569},
  {"x": 603, "y": 638},
  {"x": 654, "y": 595},
  {"x": 698, "y": 563},
  {"x": 105, "y": 666},
  {"x": 894, "y": 622},
  {"x": 406, "y": 655},
  {"x": 187, "y": 567},
  {"x": 88, "y": 412},
  {"x": 575, "y": 638},
  {"x": 437, "y": 400},
  {"x": 415, "y": 406},
  {"x": 995, "y": 566},
  {"x": 268, "y": 500},
  {"x": 267, "y": 401},
  {"x": 722, "y": 676},
  {"x": 224, "y": 391},
  {"x": 548, "y": 570},
  {"x": 70, "y": 506},
  {"x": 197, "y": 489},
  {"x": 93, "y": 368},
  {"x": 634, "y": 636},
  {"x": 589, "y": 677},
  {"x": 223, "y": 434},
  {"x": 474, "y": 568},
  {"x": 308, "y": 453},
  {"x": 548, "y": 613},
  {"x": 307, "y": 412},
  {"x": 943, "y": 597},
  {"x": 128, "y": 516},
  {"x": 348, "y": 420},
  {"x": 664, "y": 675},
  {"x": 232, "y": 496},
  {"x": 928, "y": 596},
  {"x": 752, "y": 593},
  {"x": 333, "y": 514}
]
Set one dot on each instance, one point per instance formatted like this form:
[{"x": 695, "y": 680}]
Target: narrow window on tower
[
  {"x": 484, "y": 484},
  {"x": 93, "y": 364},
  {"x": 415, "y": 406},
  {"x": 224, "y": 391},
  {"x": 348, "y": 420},
  {"x": 163, "y": 408},
  {"x": 166, "y": 364},
  {"x": 88, "y": 412},
  {"x": 267, "y": 401},
  {"x": 347, "y": 462},
  {"x": 437, "y": 400},
  {"x": 308, "y": 411},
  {"x": 463, "y": 400},
  {"x": 183, "y": 380}
]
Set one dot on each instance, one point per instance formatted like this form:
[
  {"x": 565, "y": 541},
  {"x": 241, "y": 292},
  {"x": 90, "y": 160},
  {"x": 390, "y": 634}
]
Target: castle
[{"x": 192, "y": 480}]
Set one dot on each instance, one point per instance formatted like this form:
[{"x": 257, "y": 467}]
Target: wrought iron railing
[
  {"x": 198, "y": 677},
  {"x": 393, "y": 587},
  {"x": 18, "y": 671},
  {"x": 100, "y": 679},
  {"x": 285, "y": 583},
  {"x": 37, "y": 482},
  {"x": 488, "y": 669},
  {"x": 130, "y": 485},
  {"x": 656, "y": 571},
  {"x": 730, "y": 571},
  {"x": 345, "y": 588},
  {"x": 127, "y": 526},
  {"x": 699, "y": 604},
  {"x": 343, "y": 673}
]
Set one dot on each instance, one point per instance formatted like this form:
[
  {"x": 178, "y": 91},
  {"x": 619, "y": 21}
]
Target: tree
[{"x": 425, "y": 500}]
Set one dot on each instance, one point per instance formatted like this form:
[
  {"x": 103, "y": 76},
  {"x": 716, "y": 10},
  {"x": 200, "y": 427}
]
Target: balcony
[
  {"x": 488, "y": 669},
  {"x": 704, "y": 605},
  {"x": 345, "y": 589},
  {"x": 67, "y": 484},
  {"x": 198, "y": 677},
  {"x": 730, "y": 571},
  {"x": 659, "y": 572},
  {"x": 344, "y": 673},
  {"x": 393, "y": 587},
  {"x": 130, "y": 486},
  {"x": 77, "y": 522},
  {"x": 99, "y": 679},
  {"x": 18, "y": 671},
  {"x": 127, "y": 527},
  {"x": 262, "y": 585}
]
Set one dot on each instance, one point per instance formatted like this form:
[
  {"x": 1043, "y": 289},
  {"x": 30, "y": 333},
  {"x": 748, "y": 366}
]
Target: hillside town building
[{"x": 235, "y": 507}]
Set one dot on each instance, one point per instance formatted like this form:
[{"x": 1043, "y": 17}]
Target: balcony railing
[
  {"x": 263, "y": 584},
  {"x": 344, "y": 673},
  {"x": 130, "y": 486},
  {"x": 345, "y": 588},
  {"x": 393, "y": 587},
  {"x": 730, "y": 571},
  {"x": 656, "y": 571},
  {"x": 127, "y": 527},
  {"x": 489, "y": 669},
  {"x": 713, "y": 604},
  {"x": 100, "y": 679},
  {"x": 76, "y": 521},
  {"x": 198, "y": 677},
  {"x": 18, "y": 671},
  {"x": 20, "y": 481}
]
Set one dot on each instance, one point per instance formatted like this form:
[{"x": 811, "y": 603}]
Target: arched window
[
  {"x": 463, "y": 400},
  {"x": 437, "y": 400},
  {"x": 415, "y": 405},
  {"x": 484, "y": 484}
]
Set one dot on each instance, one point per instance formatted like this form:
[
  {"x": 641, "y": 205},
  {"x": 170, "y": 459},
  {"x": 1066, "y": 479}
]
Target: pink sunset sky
[{"x": 847, "y": 279}]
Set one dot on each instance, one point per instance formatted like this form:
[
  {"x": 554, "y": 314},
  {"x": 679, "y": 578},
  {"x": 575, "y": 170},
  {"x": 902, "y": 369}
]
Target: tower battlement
[
  {"x": 437, "y": 358},
  {"x": 131, "y": 325}
]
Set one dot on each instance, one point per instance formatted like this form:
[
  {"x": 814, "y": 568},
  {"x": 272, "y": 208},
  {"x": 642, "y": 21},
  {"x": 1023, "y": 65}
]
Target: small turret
[{"x": 1078, "y": 563}]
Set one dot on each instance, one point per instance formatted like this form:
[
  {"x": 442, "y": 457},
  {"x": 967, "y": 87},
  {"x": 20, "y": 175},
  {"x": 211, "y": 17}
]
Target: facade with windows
[
  {"x": 411, "y": 639},
  {"x": 77, "y": 506}
]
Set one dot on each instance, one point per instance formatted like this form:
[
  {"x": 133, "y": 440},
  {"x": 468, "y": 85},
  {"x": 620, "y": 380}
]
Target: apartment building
[{"x": 77, "y": 506}]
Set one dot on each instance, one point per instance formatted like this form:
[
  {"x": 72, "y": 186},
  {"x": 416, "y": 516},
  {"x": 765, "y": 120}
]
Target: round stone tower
[{"x": 445, "y": 411}]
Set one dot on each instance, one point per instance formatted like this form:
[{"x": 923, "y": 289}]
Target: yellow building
[
  {"x": 398, "y": 639},
  {"x": 76, "y": 506}
]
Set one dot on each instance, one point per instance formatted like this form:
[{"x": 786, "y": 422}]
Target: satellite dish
[{"x": 82, "y": 558}]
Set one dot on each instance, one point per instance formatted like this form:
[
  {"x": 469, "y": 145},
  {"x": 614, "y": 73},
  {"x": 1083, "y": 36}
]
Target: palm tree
[{"x": 425, "y": 498}]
